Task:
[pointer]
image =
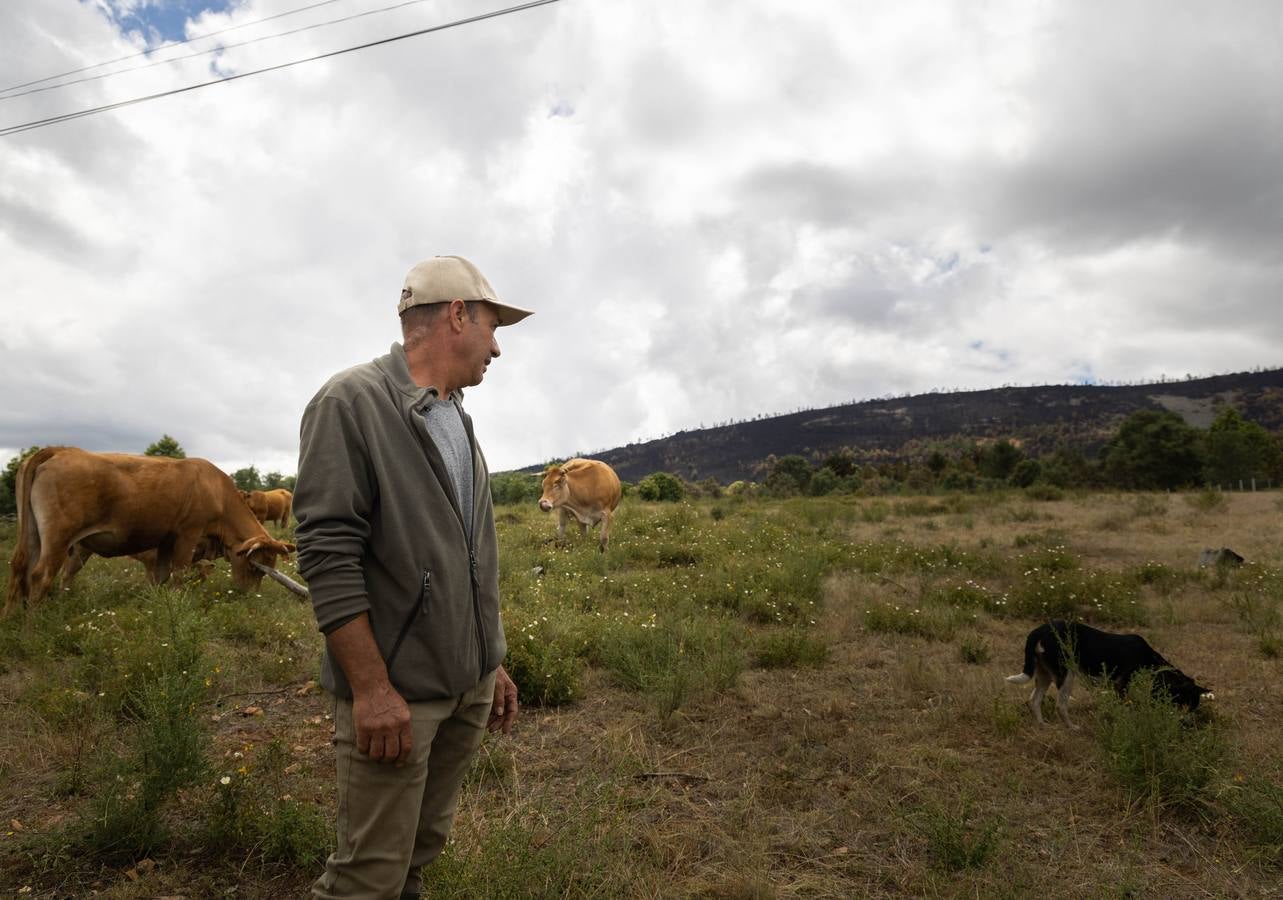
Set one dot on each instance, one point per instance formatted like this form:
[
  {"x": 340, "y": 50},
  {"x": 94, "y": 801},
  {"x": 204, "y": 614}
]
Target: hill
[{"x": 1037, "y": 418}]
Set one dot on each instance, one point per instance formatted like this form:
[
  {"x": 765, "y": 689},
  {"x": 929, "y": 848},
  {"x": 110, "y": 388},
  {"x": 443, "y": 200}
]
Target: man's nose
[{"x": 494, "y": 347}]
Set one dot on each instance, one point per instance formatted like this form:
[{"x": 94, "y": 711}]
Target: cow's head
[
  {"x": 555, "y": 489},
  {"x": 258, "y": 549}
]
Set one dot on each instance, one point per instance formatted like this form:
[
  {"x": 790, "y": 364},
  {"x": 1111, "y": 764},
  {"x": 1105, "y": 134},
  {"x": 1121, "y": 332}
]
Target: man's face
[{"x": 481, "y": 345}]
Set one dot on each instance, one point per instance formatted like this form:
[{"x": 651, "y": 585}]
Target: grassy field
[{"x": 741, "y": 699}]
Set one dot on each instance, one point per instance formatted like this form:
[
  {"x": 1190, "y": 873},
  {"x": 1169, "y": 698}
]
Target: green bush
[
  {"x": 954, "y": 840},
  {"x": 1256, "y": 804},
  {"x": 789, "y": 649},
  {"x": 515, "y": 487},
  {"x": 973, "y": 650},
  {"x": 254, "y": 816},
  {"x": 929, "y": 622},
  {"x": 1152, "y": 751},
  {"x": 545, "y": 670},
  {"x": 661, "y": 486},
  {"x": 673, "y": 661}
]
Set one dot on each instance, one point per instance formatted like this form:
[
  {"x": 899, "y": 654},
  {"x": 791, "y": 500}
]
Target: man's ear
[{"x": 458, "y": 312}]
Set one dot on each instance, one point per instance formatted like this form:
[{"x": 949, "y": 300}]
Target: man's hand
[
  {"x": 382, "y": 721},
  {"x": 379, "y": 714},
  {"x": 503, "y": 712}
]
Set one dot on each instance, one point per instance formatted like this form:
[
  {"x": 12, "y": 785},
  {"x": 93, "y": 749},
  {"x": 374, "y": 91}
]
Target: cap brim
[{"x": 510, "y": 315}]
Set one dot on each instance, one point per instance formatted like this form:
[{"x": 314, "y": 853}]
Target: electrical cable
[
  {"x": 172, "y": 59},
  {"x": 65, "y": 117},
  {"x": 165, "y": 46}
]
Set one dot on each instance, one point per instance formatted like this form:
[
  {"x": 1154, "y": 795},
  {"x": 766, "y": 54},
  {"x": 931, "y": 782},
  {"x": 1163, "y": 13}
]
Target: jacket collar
[{"x": 396, "y": 369}]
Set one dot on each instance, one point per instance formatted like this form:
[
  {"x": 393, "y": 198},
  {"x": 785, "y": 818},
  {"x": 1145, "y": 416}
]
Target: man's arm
[{"x": 379, "y": 714}]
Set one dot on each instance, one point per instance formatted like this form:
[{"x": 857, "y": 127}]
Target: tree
[
  {"x": 273, "y": 480},
  {"x": 166, "y": 446},
  {"x": 842, "y": 463},
  {"x": 9, "y": 483},
  {"x": 515, "y": 487},
  {"x": 1154, "y": 450},
  {"x": 790, "y": 474},
  {"x": 1000, "y": 459},
  {"x": 1239, "y": 450},
  {"x": 1025, "y": 473},
  {"x": 248, "y": 479}
]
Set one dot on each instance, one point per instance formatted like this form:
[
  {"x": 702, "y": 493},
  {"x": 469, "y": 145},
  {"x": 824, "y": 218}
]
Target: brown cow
[
  {"x": 270, "y": 506},
  {"x": 586, "y": 489},
  {"x": 72, "y": 503}
]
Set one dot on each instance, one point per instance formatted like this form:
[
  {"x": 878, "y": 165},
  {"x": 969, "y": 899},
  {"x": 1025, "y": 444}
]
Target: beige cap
[{"x": 445, "y": 278}]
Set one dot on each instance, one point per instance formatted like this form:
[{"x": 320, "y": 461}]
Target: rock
[{"x": 1222, "y": 557}]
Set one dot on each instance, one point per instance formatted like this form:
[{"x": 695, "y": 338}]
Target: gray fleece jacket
[{"x": 380, "y": 531}]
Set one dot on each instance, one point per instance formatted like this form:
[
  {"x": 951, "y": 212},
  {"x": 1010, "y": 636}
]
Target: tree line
[{"x": 1151, "y": 450}]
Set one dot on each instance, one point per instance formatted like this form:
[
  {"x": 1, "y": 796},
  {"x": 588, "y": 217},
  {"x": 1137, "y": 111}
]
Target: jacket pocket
[{"x": 420, "y": 606}]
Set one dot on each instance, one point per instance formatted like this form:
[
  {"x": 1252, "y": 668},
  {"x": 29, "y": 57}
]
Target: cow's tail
[
  {"x": 1031, "y": 646},
  {"x": 27, "y": 551}
]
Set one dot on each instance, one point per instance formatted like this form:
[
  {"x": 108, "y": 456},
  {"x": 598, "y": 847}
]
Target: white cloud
[{"x": 717, "y": 211}]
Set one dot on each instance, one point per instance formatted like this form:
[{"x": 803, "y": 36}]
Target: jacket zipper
[
  {"x": 420, "y": 606},
  {"x": 438, "y": 469},
  {"x": 476, "y": 611}
]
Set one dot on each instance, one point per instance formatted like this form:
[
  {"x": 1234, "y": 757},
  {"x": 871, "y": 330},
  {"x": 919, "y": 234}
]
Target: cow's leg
[
  {"x": 77, "y": 556},
  {"x": 167, "y": 559},
  {"x": 46, "y": 569},
  {"x": 562, "y": 515},
  {"x": 605, "y": 531}
]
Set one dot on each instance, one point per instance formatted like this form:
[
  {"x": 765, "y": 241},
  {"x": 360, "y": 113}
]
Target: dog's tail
[{"x": 1031, "y": 644}]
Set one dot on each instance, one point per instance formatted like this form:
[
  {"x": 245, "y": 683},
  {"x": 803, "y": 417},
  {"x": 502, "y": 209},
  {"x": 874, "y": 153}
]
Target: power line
[
  {"x": 166, "y": 46},
  {"x": 65, "y": 117},
  {"x": 172, "y": 59}
]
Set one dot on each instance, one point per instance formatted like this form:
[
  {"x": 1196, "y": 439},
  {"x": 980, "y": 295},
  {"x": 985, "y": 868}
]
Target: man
[{"x": 396, "y": 539}]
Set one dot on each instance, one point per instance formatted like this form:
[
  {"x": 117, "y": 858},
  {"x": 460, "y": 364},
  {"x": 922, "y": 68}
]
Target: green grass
[{"x": 742, "y": 696}]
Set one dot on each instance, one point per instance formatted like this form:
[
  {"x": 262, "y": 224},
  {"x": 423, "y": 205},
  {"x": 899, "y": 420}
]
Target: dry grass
[{"x": 893, "y": 769}]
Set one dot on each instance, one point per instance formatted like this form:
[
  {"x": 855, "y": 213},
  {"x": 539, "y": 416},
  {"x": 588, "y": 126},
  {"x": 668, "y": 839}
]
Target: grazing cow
[
  {"x": 586, "y": 489},
  {"x": 270, "y": 506},
  {"x": 72, "y": 503}
]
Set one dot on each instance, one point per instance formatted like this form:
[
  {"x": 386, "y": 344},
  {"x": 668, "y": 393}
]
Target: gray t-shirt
[{"x": 445, "y": 426}]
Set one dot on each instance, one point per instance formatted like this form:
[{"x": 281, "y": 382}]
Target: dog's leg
[
  {"x": 1042, "y": 679},
  {"x": 1062, "y": 700}
]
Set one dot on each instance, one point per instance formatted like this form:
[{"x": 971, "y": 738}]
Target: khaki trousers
[{"x": 392, "y": 821}]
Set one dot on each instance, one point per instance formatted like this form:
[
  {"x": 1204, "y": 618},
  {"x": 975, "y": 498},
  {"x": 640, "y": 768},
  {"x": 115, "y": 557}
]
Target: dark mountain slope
[{"x": 1038, "y": 418}]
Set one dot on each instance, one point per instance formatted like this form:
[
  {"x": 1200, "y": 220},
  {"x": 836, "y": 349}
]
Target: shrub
[
  {"x": 928, "y": 622},
  {"x": 1257, "y": 805},
  {"x": 253, "y": 814},
  {"x": 661, "y": 486},
  {"x": 1043, "y": 491},
  {"x": 954, "y": 841},
  {"x": 1151, "y": 750},
  {"x": 673, "y": 662},
  {"x": 546, "y": 670},
  {"x": 973, "y": 650},
  {"x": 1025, "y": 473},
  {"x": 790, "y": 649},
  {"x": 1207, "y": 500},
  {"x": 515, "y": 487}
]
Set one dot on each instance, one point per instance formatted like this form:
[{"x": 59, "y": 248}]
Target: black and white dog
[{"x": 1055, "y": 651}]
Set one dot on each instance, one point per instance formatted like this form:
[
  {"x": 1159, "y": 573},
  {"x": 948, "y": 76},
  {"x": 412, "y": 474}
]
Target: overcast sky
[{"x": 717, "y": 209}]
